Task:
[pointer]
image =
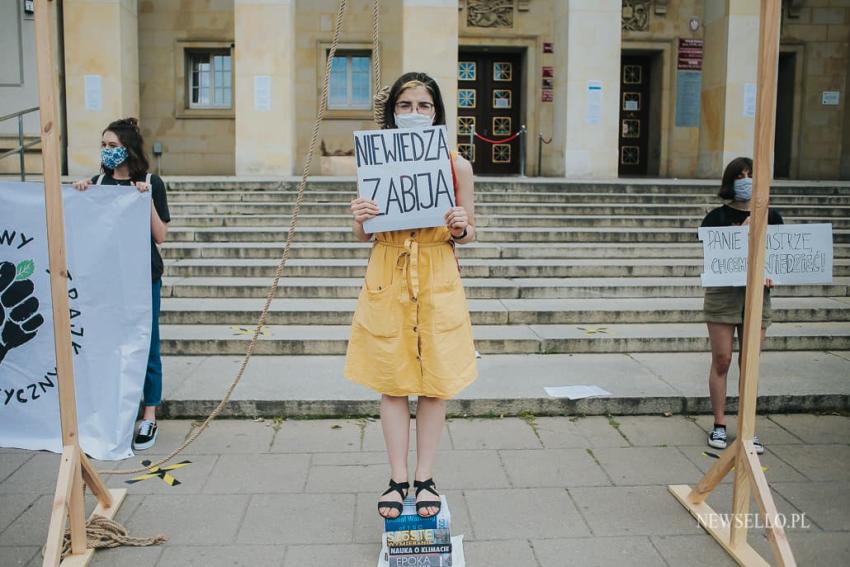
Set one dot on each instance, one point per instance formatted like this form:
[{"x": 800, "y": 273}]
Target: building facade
[{"x": 604, "y": 88}]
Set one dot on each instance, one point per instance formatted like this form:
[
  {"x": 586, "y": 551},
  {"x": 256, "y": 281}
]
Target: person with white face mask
[
  {"x": 411, "y": 334},
  {"x": 723, "y": 307}
]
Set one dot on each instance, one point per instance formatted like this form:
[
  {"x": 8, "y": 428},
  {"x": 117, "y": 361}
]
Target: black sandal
[
  {"x": 428, "y": 485},
  {"x": 401, "y": 488}
]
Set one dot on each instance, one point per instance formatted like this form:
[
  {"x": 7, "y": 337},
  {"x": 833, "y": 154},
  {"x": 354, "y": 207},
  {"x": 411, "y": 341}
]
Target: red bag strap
[{"x": 452, "y": 156}]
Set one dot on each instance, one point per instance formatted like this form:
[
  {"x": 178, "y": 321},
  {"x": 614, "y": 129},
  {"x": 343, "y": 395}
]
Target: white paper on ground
[
  {"x": 457, "y": 552},
  {"x": 576, "y": 392}
]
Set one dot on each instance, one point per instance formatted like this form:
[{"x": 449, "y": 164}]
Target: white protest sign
[
  {"x": 407, "y": 171},
  {"x": 794, "y": 254},
  {"x": 107, "y": 237}
]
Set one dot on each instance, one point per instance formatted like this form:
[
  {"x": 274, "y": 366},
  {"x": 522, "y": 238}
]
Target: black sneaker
[
  {"x": 717, "y": 438},
  {"x": 146, "y": 436}
]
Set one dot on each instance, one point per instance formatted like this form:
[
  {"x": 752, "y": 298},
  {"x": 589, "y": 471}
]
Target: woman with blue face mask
[
  {"x": 723, "y": 307},
  {"x": 123, "y": 162},
  {"x": 411, "y": 334}
]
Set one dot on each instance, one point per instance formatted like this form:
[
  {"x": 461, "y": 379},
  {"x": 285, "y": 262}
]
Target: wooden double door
[
  {"x": 635, "y": 82},
  {"x": 489, "y": 91}
]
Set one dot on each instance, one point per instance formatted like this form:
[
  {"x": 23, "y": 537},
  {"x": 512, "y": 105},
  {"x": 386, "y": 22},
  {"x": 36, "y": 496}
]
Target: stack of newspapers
[{"x": 411, "y": 540}]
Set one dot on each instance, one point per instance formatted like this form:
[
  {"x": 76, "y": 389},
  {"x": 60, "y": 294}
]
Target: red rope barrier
[{"x": 503, "y": 141}]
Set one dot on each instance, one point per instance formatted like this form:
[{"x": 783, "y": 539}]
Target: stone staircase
[{"x": 559, "y": 268}]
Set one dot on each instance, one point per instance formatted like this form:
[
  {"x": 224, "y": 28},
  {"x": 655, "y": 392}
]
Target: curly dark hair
[
  {"x": 730, "y": 174},
  {"x": 128, "y": 132},
  {"x": 407, "y": 81}
]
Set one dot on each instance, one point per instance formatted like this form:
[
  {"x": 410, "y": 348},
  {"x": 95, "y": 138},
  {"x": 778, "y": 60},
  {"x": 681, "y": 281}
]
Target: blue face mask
[
  {"x": 113, "y": 157},
  {"x": 413, "y": 120},
  {"x": 743, "y": 189}
]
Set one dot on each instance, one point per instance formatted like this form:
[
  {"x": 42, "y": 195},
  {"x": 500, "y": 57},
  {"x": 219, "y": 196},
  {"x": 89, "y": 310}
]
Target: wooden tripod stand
[
  {"x": 75, "y": 467},
  {"x": 749, "y": 476}
]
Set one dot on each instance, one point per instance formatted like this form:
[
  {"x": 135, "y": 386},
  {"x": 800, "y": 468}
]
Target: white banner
[
  {"x": 407, "y": 171},
  {"x": 107, "y": 232},
  {"x": 794, "y": 254}
]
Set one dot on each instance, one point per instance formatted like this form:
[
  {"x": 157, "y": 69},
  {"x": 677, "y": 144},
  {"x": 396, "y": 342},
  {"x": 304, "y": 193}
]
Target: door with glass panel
[{"x": 488, "y": 102}]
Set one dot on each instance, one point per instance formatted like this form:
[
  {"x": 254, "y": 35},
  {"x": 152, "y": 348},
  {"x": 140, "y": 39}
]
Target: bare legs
[
  {"x": 395, "y": 422},
  {"x": 720, "y": 336},
  {"x": 430, "y": 420},
  {"x": 149, "y": 413}
]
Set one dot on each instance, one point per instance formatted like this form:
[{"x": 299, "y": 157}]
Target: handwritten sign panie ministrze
[
  {"x": 407, "y": 171},
  {"x": 795, "y": 254}
]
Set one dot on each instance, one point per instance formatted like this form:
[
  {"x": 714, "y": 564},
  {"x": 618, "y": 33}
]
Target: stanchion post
[
  {"x": 522, "y": 133},
  {"x": 22, "y": 154},
  {"x": 539, "y": 153}
]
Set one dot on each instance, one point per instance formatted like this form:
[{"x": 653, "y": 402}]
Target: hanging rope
[
  {"x": 323, "y": 106},
  {"x": 376, "y": 48},
  {"x": 104, "y": 533},
  {"x": 382, "y": 92}
]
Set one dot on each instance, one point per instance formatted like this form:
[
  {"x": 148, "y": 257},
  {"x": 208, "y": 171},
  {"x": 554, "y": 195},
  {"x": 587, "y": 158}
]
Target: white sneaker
[
  {"x": 758, "y": 445},
  {"x": 717, "y": 438}
]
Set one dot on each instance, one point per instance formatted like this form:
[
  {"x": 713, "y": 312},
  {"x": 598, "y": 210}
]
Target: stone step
[
  {"x": 474, "y": 268},
  {"x": 482, "y": 221},
  {"x": 351, "y": 250},
  {"x": 502, "y": 339},
  {"x": 479, "y": 288},
  {"x": 484, "y": 184},
  {"x": 484, "y": 234},
  {"x": 640, "y": 383},
  {"x": 507, "y": 197},
  {"x": 342, "y": 208},
  {"x": 245, "y": 312}
]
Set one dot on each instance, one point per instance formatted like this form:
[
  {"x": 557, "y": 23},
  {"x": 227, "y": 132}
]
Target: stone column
[
  {"x": 264, "y": 63},
  {"x": 101, "y": 42},
  {"x": 730, "y": 64},
  {"x": 430, "y": 45},
  {"x": 586, "y": 123}
]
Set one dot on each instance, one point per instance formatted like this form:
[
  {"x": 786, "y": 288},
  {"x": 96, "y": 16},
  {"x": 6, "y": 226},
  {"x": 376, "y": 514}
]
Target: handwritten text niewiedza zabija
[{"x": 408, "y": 173}]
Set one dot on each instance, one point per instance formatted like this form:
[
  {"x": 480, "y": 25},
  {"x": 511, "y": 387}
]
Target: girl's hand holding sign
[
  {"x": 364, "y": 209},
  {"x": 457, "y": 220}
]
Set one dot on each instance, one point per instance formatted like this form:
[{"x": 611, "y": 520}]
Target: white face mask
[{"x": 413, "y": 120}]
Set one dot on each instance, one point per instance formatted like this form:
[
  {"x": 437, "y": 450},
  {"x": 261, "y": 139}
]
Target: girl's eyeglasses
[{"x": 406, "y": 107}]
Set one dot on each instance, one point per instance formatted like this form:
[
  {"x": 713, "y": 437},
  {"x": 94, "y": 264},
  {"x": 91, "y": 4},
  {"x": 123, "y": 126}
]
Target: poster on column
[
  {"x": 107, "y": 240},
  {"x": 794, "y": 254},
  {"x": 408, "y": 172}
]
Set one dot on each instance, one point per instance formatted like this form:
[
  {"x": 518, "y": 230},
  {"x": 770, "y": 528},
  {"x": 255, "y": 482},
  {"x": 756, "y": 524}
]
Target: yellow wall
[
  {"x": 819, "y": 35},
  {"x": 192, "y": 145},
  {"x": 822, "y": 32},
  {"x": 679, "y": 147},
  {"x": 115, "y": 22},
  {"x": 314, "y": 31}
]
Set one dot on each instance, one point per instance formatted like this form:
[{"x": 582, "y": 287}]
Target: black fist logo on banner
[{"x": 19, "y": 317}]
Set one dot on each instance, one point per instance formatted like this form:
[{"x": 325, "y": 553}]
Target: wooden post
[
  {"x": 749, "y": 476},
  {"x": 68, "y": 500}
]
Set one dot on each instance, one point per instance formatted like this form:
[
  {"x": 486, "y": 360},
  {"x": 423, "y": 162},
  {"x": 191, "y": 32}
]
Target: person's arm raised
[{"x": 462, "y": 217}]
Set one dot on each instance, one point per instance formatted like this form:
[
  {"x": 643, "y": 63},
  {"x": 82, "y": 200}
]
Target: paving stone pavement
[{"x": 524, "y": 492}]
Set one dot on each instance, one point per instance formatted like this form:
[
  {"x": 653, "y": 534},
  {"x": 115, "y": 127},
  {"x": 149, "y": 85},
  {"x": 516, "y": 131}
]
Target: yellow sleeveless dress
[{"x": 411, "y": 334}]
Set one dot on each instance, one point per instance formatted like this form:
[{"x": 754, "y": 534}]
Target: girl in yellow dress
[{"x": 411, "y": 334}]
